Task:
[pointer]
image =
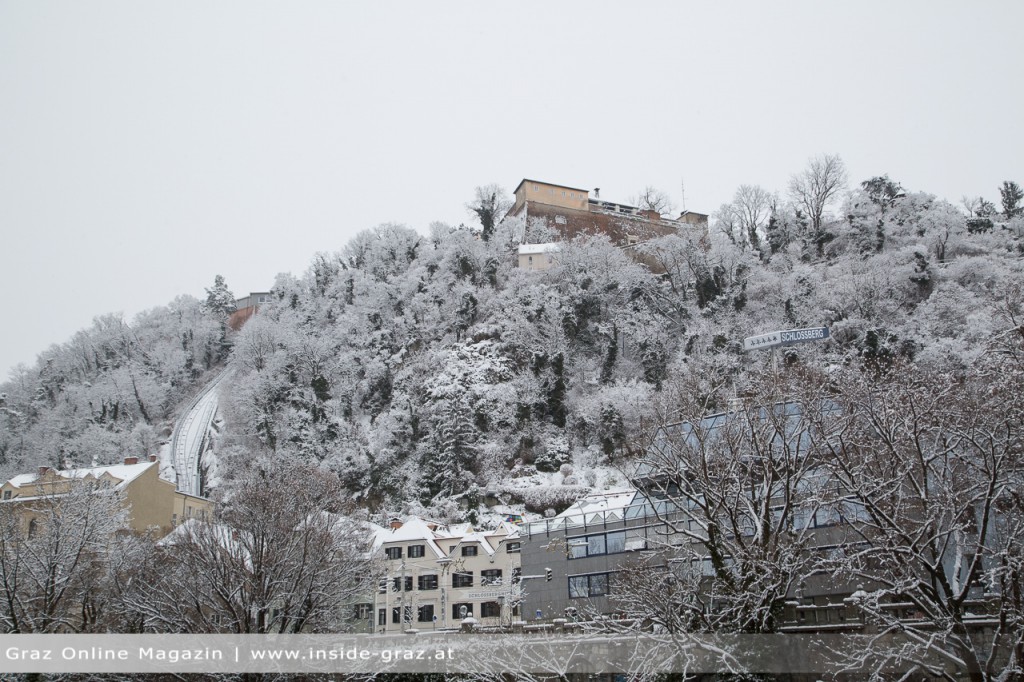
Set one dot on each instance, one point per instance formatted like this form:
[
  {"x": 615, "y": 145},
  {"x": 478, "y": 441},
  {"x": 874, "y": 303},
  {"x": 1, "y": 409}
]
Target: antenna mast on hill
[{"x": 682, "y": 190}]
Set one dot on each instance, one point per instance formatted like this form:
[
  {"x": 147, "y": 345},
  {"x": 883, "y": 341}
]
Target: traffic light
[{"x": 547, "y": 574}]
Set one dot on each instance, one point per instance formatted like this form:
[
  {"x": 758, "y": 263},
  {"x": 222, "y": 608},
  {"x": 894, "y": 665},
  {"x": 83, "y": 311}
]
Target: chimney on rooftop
[
  {"x": 131, "y": 460},
  {"x": 43, "y": 470},
  {"x": 396, "y": 524},
  {"x": 152, "y": 458}
]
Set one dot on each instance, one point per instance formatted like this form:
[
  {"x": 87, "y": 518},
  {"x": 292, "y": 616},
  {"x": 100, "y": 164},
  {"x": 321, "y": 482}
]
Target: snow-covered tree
[
  {"x": 279, "y": 559},
  {"x": 53, "y": 552},
  {"x": 219, "y": 299},
  {"x": 489, "y": 205},
  {"x": 933, "y": 461}
]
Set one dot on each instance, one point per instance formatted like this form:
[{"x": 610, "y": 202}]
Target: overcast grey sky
[{"x": 146, "y": 147}]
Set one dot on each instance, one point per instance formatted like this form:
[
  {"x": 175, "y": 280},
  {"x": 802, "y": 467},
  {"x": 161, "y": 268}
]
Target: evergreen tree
[
  {"x": 611, "y": 354},
  {"x": 219, "y": 298},
  {"x": 556, "y": 392},
  {"x": 449, "y": 467},
  {"x": 1010, "y": 194}
]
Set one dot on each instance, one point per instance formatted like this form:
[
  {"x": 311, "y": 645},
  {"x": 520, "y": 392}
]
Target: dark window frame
[
  {"x": 589, "y": 585},
  {"x": 491, "y": 576}
]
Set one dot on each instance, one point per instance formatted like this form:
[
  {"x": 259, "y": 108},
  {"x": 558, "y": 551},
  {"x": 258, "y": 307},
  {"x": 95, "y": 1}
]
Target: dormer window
[
  {"x": 7, "y": 494},
  {"x": 393, "y": 552},
  {"x": 469, "y": 550}
]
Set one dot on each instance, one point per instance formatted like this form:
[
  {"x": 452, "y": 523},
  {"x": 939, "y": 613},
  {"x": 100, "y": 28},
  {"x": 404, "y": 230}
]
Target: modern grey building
[{"x": 569, "y": 561}]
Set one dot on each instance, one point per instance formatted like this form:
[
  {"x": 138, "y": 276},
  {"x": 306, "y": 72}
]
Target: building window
[
  {"x": 398, "y": 583},
  {"x": 382, "y": 617},
  {"x": 415, "y": 551},
  {"x": 594, "y": 585},
  {"x": 529, "y": 259},
  {"x": 512, "y": 547},
  {"x": 603, "y": 543},
  {"x": 490, "y": 577},
  {"x": 33, "y": 527},
  {"x": 462, "y": 580},
  {"x": 393, "y": 552},
  {"x": 401, "y": 614},
  {"x": 469, "y": 550},
  {"x": 425, "y": 613},
  {"x": 458, "y": 613},
  {"x": 363, "y": 611},
  {"x": 616, "y": 542},
  {"x": 490, "y": 609},
  {"x": 427, "y": 582},
  {"x": 7, "y": 494}
]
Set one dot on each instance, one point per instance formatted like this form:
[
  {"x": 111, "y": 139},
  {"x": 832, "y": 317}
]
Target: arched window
[{"x": 33, "y": 526}]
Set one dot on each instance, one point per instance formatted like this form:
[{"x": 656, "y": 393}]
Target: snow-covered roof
[
  {"x": 597, "y": 508},
  {"x": 124, "y": 473},
  {"x": 605, "y": 504},
  {"x": 531, "y": 249},
  {"x": 415, "y": 529},
  {"x": 193, "y": 530}
]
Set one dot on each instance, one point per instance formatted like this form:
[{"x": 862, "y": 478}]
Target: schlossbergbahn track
[{"x": 189, "y": 438}]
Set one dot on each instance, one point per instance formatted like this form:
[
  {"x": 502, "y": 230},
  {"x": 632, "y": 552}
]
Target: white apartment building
[{"x": 435, "y": 576}]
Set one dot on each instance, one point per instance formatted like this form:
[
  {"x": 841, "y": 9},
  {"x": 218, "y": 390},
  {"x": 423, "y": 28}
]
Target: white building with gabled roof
[{"x": 437, "y": 575}]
